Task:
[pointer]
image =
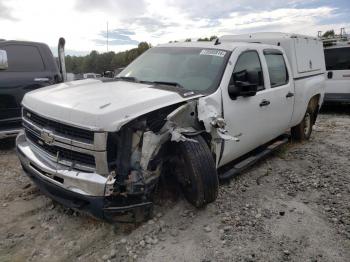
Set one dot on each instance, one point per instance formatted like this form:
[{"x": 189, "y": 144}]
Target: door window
[
  {"x": 277, "y": 68},
  {"x": 337, "y": 58},
  {"x": 248, "y": 69},
  {"x": 24, "y": 58}
]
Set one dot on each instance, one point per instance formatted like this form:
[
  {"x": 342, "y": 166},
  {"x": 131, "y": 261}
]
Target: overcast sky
[{"x": 83, "y": 22}]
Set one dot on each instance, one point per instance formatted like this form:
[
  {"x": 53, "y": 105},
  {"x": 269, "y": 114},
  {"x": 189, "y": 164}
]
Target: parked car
[
  {"x": 24, "y": 66},
  {"x": 195, "y": 111},
  {"x": 338, "y": 72},
  {"x": 91, "y": 75}
]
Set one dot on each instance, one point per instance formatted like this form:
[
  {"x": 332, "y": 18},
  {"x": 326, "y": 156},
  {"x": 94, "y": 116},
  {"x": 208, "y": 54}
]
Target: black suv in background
[{"x": 24, "y": 66}]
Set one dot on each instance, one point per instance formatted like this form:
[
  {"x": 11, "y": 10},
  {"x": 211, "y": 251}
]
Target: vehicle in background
[
  {"x": 91, "y": 75},
  {"x": 194, "y": 111},
  {"x": 78, "y": 76},
  {"x": 70, "y": 77},
  {"x": 337, "y": 55},
  {"x": 108, "y": 74},
  {"x": 24, "y": 66},
  {"x": 118, "y": 70}
]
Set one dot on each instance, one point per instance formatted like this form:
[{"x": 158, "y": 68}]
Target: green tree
[
  {"x": 98, "y": 63},
  {"x": 142, "y": 47},
  {"x": 329, "y": 33},
  {"x": 213, "y": 37},
  {"x": 203, "y": 39}
]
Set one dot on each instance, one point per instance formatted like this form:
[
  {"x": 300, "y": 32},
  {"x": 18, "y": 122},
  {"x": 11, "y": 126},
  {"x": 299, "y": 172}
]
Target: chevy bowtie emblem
[{"x": 47, "y": 136}]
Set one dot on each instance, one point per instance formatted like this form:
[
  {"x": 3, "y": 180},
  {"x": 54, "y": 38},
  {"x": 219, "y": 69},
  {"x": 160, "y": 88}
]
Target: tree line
[{"x": 99, "y": 63}]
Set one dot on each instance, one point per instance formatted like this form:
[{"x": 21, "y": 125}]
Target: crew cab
[
  {"x": 24, "y": 66},
  {"x": 194, "y": 111}
]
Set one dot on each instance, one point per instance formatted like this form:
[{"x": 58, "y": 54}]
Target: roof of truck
[{"x": 228, "y": 46}]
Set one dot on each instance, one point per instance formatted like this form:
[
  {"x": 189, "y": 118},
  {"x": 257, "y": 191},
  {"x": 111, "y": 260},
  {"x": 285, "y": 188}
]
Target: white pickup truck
[{"x": 196, "y": 112}]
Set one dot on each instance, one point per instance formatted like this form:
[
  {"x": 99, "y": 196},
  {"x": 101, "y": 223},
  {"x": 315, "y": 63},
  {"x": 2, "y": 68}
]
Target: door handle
[
  {"x": 264, "y": 103},
  {"x": 290, "y": 94},
  {"x": 41, "y": 79}
]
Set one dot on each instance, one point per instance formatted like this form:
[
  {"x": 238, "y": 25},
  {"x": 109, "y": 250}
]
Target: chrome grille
[
  {"x": 59, "y": 128},
  {"x": 62, "y": 153},
  {"x": 69, "y": 146}
]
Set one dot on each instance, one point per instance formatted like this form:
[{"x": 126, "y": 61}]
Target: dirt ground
[{"x": 293, "y": 206}]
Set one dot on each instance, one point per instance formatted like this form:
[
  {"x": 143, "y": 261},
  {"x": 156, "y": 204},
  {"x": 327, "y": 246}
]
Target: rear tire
[
  {"x": 196, "y": 172},
  {"x": 303, "y": 130}
]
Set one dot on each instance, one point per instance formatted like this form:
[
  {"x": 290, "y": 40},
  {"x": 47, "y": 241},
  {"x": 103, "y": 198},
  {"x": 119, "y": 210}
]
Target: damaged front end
[
  {"x": 134, "y": 158},
  {"x": 138, "y": 151},
  {"x": 141, "y": 149}
]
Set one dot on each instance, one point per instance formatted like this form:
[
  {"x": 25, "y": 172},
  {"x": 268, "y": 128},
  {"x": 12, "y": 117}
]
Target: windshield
[{"x": 196, "y": 69}]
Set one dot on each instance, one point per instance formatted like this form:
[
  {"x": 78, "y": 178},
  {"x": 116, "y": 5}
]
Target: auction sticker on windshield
[{"x": 212, "y": 52}]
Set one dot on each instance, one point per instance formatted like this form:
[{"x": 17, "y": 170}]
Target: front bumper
[{"x": 78, "y": 190}]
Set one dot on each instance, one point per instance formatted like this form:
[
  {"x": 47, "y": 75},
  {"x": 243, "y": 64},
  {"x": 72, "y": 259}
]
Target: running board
[{"x": 253, "y": 158}]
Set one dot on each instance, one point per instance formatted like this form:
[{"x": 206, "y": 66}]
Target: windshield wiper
[
  {"x": 127, "y": 78},
  {"x": 134, "y": 79},
  {"x": 168, "y": 83}
]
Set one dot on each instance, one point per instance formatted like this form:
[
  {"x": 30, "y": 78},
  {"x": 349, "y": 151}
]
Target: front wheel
[
  {"x": 304, "y": 129},
  {"x": 196, "y": 172}
]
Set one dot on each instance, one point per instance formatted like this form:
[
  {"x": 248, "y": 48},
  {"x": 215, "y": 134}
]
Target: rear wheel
[
  {"x": 196, "y": 172},
  {"x": 304, "y": 129}
]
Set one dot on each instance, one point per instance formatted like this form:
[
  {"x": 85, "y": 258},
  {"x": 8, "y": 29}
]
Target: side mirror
[
  {"x": 330, "y": 74},
  {"x": 240, "y": 88},
  {"x": 3, "y": 60}
]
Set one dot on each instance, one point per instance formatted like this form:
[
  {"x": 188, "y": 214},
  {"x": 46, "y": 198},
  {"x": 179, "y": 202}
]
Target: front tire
[
  {"x": 196, "y": 172},
  {"x": 304, "y": 129}
]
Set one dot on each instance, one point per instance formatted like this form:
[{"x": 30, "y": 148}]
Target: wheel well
[
  {"x": 314, "y": 102},
  {"x": 314, "y": 105}
]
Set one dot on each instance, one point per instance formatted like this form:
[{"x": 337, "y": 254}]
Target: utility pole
[
  {"x": 342, "y": 32},
  {"x": 107, "y": 36}
]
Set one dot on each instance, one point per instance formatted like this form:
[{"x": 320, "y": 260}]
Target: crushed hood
[{"x": 96, "y": 105}]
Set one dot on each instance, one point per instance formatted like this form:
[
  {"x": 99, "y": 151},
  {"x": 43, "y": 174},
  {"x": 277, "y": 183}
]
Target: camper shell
[{"x": 305, "y": 53}]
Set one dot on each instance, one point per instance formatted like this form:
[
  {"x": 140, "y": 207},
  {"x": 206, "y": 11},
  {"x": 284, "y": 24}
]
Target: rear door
[
  {"x": 26, "y": 72},
  {"x": 338, "y": 67},
  {"x": 281, "y": 91}
]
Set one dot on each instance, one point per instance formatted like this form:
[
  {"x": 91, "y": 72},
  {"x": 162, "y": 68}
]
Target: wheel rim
[{"x": 307, "y": 124}]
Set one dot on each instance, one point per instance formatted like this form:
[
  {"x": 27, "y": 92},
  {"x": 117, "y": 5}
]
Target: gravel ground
[{"x": 293, "y": 206}]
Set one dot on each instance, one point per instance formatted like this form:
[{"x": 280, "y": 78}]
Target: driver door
[{"x": 247, "y": 118}]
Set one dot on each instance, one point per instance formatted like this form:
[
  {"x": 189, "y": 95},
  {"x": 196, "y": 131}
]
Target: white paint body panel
[
  {"x": 99, "y": 106},
  {"x": 340, "y": 83},
  {"x": 304, "y": 90}
]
